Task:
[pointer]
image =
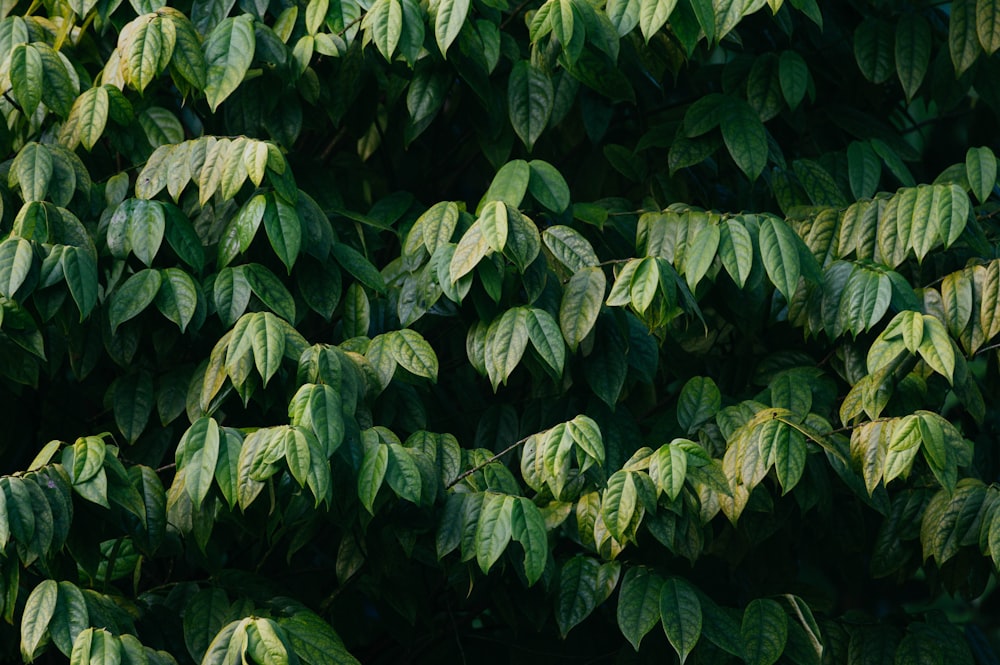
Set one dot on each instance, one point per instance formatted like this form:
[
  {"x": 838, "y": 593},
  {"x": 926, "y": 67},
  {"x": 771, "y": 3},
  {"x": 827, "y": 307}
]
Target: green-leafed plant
[{"x": 455, "y": 331}]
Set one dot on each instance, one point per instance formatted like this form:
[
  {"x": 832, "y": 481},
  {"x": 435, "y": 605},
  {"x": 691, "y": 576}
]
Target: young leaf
[
  {"x": 448, "y": 22},
  {"x": 38, "y": 611}
]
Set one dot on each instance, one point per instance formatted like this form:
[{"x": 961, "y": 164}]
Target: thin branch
[
  {"x": 479, "y": 467},
  {"x": 513, "y": 14}
]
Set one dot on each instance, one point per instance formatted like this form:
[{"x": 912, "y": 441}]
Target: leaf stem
[{"x": 479, "y": 467}]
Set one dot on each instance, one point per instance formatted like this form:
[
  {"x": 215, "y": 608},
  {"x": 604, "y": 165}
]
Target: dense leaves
[{"x": 475, "y": 331}]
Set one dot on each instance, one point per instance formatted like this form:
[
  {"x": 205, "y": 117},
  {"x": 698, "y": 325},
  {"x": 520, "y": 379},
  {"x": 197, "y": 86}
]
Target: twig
[{"x": 479, "y": 467}]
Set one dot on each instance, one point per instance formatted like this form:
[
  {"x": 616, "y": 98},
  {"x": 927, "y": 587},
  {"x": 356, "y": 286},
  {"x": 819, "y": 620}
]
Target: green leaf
[
  {"x": 530, "y": 98},
  {"x": 913, "y": 51},
  {"x": 644, "y": 284},
  {"x": 668, "y": 469},
  {"x": 413, "y": 353},
  {"x": 528, "y": 528},
  {"x": 653, "y": 14},
  {"x": 269, "y": 289},
  {"x": 745, "y": 137},
  {"x": 80, "y": 270},
  {"x": 963, "y": 35},
  {"x": 493, "y": 224},
  {"x": 32, "y": 170},
  {"x": 779, "y": 248},
  {"x": 26, "y": 76},
  {"x": 864, "y": 169},
  {"x": 133, "y": 402},
  {"x": 619, "y": 503},
  {"x": 873, "y": 49},
  {"x": 133, "y": 296},
  {"x": 506, "y": 340},
  {"x": 680, "y": 613},
  {"x": 188, "y": 58},
  {"x": 357, "y": 265},
  {"x": 793, "y": 76},
  {"x": 699, "y": 400},
  {"x": 569, "y": 247},
  {"x": 701, "y": 253},
  {"x": 577, "y": 595},
  {"x": 448, "y": 22},
  {"x": 548, "y": 186},
  {"x": 145, "y": 228},
  {"x": 96, "y": 646},
  {"x": 639, "y": 604},
  {"x": 70, "y": 617},
  {"x": 547, "y": 339},
  {"x": 38, "y": 611},
  {"x": 494, "y": 529},
  {"x": 284, "y": 230},
  {"x": 790, "y": 458},
  {"x": 372, "y": 473},
  {"x": 981, "y": 170},
  {"x": 177, "y": 298},
  {"x": 936, "y": 348},
  {"x": 16, "y": 259},
  {"x": 581, "y": 303},
  {"x": 765, "y": 632},
  {"x": 229, "y": 50},
  {"x": 384, "y": 22},
  {"x": 735, "y": 250},
  {"x": 196, "y": 457},
  {"x": 268, "y": 339},
  {"x": 509, "y": 184}
]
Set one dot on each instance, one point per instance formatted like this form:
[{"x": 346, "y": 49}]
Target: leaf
[
  {"x": 133, "y": 403},
  {"x": 493, "y": 529},
  {"x": 229, "y": 50},
  {"x": 735, "y": 250},
  {"x": 864, "y": 169},
  {"x": 357, "y": 265},
  {"x": 701, "y": 253},
  {"x": 448, "y": 22},
  {"x": 384, "y": 22},
  {"x": 619, "y": 503},
  {"x": 581, "y": 303},
  {"x": 644, "y": 284},
  {"x": 963, "y": 35},
  {"x": 509, "y": 185},
  {"x": 569, "y": 247},
  {"x": 70, "y": 617},
  {"x": 16, "y": 259},
  {"x": 699, "y": 400},
  {"x": 493, "y": 224},
  {"x": 284, "y": 230},
  {"x": 372, "y": 473},
  {"x": 873, "y": 44},
  {"x": 913, "y": 51},
  {"x": 413, "y": 353},
  {"x": 981, "y": 170},
  {"x": 528, "y": 528},
  {"x": 530, "y": 98},
  {"x": 577, "y": 595},
  {"x": 745, "y": 138},
  {"x": 765, "y": 632},
  {"x": 269, "y": 289},
  {"x": 26, "y": 76},
  {"x": 668, "y": 469},
  {"x": 177, "y": 298},
  {"x": 547, "y": 339},
  {"x": 790, "y": 458},
  {"x": 145, "y": 228},
  {"x": 80, "y": 270},
  {"x": 133, "y": 297},
  {"x": 32, "y": 170},
  {"x": 652, "y": 15},
  {"x": 988, "y": 25},
  {"x": 197, "y": 457},
  {"x": 937, "y": 349},
  {"x": 779, "y": 248},
  {"x": 793, "y": 76},
  {"x": 506, "y": 340},
  {"x": 38, "y": 611},
  {"x": 268, "y": 339},
  {"x": 680, "y": 613},
  {"x": 548, "y": 186},
  {"x": 639, "y": 604},
  {"x": 188, "y": 58}
]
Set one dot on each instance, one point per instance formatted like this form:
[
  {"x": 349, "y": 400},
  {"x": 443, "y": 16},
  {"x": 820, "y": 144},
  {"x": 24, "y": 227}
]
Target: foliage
[{"x": 444, "y": 331}]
